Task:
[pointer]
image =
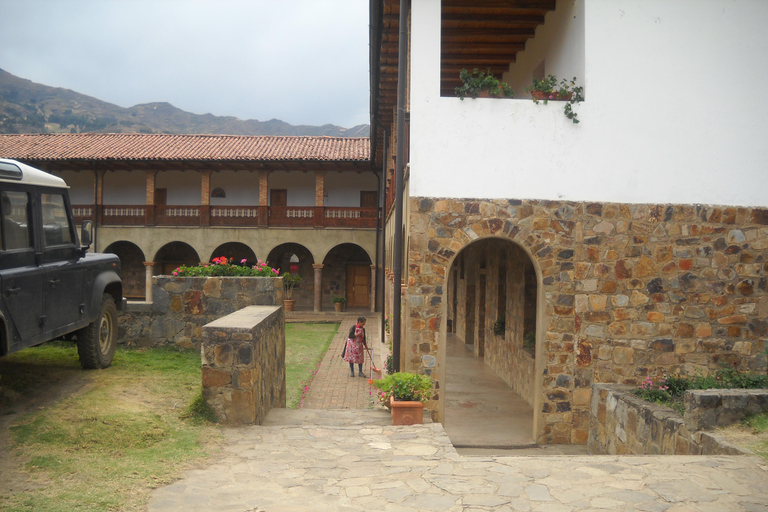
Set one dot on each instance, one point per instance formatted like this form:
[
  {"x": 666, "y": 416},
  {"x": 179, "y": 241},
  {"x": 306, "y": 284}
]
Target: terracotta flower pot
[
  {"x": 338, "y": 306},
  {"x": 406, "y": 413},
  {"x": 289, "y": 304}
]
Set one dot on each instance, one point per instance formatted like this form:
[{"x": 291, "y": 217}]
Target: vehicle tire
[{"x": 96, "y": 342}]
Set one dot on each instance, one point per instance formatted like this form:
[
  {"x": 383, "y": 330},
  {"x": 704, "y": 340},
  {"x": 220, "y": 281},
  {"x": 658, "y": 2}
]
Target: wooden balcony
[{"x": 230, "y": 216}]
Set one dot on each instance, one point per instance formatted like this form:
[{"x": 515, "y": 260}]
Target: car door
[
  {"x": 21, "y": 278},
  {"x": 63, "y": 286}
]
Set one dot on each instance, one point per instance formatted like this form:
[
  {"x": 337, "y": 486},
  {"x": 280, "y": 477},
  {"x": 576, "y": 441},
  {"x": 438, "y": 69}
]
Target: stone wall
[
  {"x": 244, "y": 364},
  {"x": 624, "y": 291},
  {"x": 706, "y": 409},
  {"x": 183, "y": 305},
  {"x": 621, "y": 423}
]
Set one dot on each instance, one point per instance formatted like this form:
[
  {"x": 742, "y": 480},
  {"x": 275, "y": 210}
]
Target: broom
[{"x": 370, "y": 358}]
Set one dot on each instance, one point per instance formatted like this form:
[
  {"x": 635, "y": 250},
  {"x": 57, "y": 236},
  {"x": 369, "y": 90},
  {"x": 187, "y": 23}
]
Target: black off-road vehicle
[{"x": 50, "y": 286}]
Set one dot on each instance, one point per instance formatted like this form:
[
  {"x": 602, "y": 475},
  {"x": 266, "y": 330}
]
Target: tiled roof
[{"x": 137, "y": 146}]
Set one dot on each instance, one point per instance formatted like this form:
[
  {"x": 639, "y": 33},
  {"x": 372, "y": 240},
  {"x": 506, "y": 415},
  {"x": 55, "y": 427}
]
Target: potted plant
[
  {"x": 481, "y": 84},
  {"x": 338, "y": 303},
  {"x": 499, "y": 327},
  {"x": 548, "y": 89},
  {"x": 289, "y": 283},
  {"x": 405, "y": 394}
]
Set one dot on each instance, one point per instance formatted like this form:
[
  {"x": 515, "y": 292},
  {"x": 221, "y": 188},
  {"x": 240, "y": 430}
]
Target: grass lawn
[
  {"x": 305, "y": 346},
  {"x": 752, "y": 434},
  {"x": 117, "y": 433}
]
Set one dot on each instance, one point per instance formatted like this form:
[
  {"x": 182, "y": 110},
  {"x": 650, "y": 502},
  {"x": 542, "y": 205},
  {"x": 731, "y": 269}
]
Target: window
[
  {"x": 55, "y": 221},
  {"x": 15, "y": 225}
]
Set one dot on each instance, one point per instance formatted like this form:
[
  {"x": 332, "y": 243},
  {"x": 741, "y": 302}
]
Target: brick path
[{"x": 332, "y": 387}]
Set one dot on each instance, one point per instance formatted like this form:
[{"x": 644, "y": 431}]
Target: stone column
[
  {"x": 373, "y": 288},
  {"x": 148, "y": 267},
  {"x": 318, "y": 286}
]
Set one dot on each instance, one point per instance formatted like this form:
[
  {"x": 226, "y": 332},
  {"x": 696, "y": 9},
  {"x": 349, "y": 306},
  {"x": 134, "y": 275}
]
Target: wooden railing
[{"x": 240, "y": 216}]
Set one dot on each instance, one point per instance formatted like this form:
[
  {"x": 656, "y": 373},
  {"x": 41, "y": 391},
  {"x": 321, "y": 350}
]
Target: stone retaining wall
[
  {"x": 244, "y": 364},
  {"x": 621, "y": 423},
  {"x": 183, "y": 305},
  {"x": 706, "y": 409}
]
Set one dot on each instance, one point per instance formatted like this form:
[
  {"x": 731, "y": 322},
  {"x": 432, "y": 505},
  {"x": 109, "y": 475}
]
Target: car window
[
  {"x": 55, "y": 221},
  {"x": 15, "y": 224}
]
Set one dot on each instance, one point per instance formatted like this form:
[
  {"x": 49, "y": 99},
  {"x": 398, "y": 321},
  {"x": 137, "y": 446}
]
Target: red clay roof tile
[{"x": 139, "y": 146}]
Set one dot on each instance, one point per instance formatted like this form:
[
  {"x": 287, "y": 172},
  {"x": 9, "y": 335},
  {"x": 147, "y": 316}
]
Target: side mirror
[{"x": 86, "y": 237}]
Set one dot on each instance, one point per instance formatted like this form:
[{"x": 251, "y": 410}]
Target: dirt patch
[
  {"x": 746, "y": 438},
  {"x": 25, "y": 388}
]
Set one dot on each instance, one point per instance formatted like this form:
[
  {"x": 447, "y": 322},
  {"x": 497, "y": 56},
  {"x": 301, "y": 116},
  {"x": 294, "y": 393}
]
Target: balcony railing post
[
  {"x": 205, "y": 215},
  {"x": 319, "y": 215},
  {"x": 150, "y": 215},
  {"x": 263, "y": 216}
]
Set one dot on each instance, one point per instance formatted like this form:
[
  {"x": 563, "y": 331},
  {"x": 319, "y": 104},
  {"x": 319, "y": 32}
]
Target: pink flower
[
  {"x": 175, "y": 273},
  {"x": 243, "y": 261}
]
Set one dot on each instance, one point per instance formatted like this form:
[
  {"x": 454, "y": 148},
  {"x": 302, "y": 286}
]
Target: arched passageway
[
  {"x": 492, "y": 297},
  {"x": 237, "y": 252},
  {"x": 132, "y": 269},
  {"x": 296, "y": 259},
  {"x": 172, "y": 255},
  {"x": 347, "y": 273}
]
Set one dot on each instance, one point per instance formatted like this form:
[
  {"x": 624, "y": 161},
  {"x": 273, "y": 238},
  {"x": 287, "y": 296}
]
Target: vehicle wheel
[{"x": 96, "y": 343}]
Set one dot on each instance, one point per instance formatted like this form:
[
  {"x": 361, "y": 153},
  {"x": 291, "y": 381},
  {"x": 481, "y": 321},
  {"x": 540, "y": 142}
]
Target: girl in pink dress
[{"x": 354, "y": 352}]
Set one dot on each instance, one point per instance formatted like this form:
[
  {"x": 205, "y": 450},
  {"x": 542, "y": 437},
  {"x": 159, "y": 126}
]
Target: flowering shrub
[
  {"x": 224, "y": 266},
  {"x": 658, "y": 392},
  {"x": 404, "y": 386}
]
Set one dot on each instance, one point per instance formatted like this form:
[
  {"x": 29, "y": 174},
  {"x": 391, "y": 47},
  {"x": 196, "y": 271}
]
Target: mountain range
[{"x": 29, "y": 107}]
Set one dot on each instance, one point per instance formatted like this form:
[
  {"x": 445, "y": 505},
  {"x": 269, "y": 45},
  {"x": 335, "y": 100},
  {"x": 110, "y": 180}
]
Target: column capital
[
  {"x": 149, "y": 263},
  {"x": 317, "y": 265}
]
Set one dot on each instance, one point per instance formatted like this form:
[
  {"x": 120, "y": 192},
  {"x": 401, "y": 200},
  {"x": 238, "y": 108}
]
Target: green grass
[
  {"x": 130, "y": 428},
  {"x": 758, "y": 424},
  {"x": 106, "y": 448},
  {"x": 305, "y": 346}
]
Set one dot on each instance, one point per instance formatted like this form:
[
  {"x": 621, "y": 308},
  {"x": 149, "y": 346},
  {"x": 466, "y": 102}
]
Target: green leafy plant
[
  {"x": 390, "y": 365},
  {"x": 499, "y": 327},
  {"x": 339, "y": 300},
  {"x": 477, "y": 81},
  {"x": 224, "y": 267},
  {"x": 548, "y": 88},
  {"x": 289, "y": 283},
  {"x": 529, "y": 340},
  {"x": 404, "y": 386}
]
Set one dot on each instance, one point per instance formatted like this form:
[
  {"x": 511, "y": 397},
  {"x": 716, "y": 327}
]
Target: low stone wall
[
  {"x": 621, "y": 423},
  {"x": 244, "y": 364},
  {"x": 707, "y": 409},
  {"x": 183, "y": 305}
]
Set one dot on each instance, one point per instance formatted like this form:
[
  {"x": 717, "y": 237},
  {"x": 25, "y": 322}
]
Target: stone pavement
[{"x": 352, "y": 459}]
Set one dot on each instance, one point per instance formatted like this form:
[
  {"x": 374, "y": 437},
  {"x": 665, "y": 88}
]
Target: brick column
[
  {"x": 373, "y": 288},
  {"x": 319, "y": 199},
  {"x": 99, "y": 199},
  {"x": 148, "y": 267},
  {"x": 263, "y": 198},
  {"x": 149, "y": 216},
  {"x": 205, "y": 199},
  {"x": 318, "y": 286}
]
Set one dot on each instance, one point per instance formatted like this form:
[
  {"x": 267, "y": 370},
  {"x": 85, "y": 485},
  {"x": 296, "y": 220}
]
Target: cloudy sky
[{"x": 301, "y": 61}]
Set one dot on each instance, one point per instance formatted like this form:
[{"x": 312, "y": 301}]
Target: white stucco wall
[
  {"x": 300, "y": 185},
  {"x": 343, "y": 188},
  {"x": 183, "y": 186},
  {"x": 241, "y": 188},
  {"x": 667, "y": 119},
  {"x": 125, "y": 187},
  {"x": 81, "y": 185}
]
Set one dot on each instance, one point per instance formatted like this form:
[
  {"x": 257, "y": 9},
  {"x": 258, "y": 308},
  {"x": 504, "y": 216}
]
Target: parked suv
[{"x": 50, "y": 286}]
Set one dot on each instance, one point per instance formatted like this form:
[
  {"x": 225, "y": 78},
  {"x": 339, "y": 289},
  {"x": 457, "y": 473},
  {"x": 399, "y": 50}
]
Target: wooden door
[
  {"x": 368, "y": 200},
  {"x": 161, "y": 196},
  {"x": 278, "y": 197},
  {"x": 358, "y": 286}
]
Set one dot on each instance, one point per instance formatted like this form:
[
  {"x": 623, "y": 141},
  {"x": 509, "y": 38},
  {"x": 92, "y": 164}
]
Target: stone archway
[
  {"x": 172, "y": 255},
  {"x": 296, "y": 259},
  {"x": 491, "y": 303},
  {"x": 131, "y": 268},
  {"x": 237, "y": 252}
]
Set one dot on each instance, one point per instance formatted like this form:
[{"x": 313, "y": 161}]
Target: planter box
[{"x": 406, "y": 413}]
